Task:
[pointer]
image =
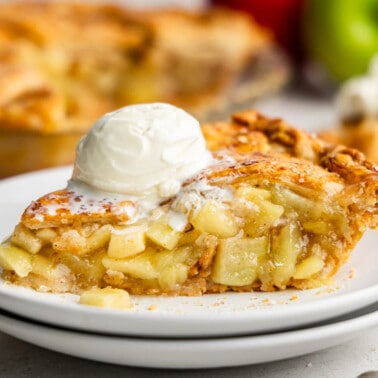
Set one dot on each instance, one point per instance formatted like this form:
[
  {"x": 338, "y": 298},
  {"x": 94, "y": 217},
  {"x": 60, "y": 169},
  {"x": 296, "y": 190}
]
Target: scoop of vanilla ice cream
[
  {"x": 358, "y": 97},
  {"x": 142, "y": 150}
]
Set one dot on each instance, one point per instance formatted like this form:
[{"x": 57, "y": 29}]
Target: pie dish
[
  {"x": 279, "y": 208},
  {"x": 63, "y": 65}
]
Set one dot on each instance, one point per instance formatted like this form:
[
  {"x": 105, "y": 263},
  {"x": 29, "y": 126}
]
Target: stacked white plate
[{"x": 210, "y": 331}]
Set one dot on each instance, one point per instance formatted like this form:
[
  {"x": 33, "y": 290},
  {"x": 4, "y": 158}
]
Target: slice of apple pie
[{"x": 276, "y": 208}]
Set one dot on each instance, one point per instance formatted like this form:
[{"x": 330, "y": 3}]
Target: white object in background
[{"x": 358, "y": 96}]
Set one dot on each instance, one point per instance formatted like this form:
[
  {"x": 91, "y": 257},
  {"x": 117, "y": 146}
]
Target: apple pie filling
[{"x": 239, "y": 238}]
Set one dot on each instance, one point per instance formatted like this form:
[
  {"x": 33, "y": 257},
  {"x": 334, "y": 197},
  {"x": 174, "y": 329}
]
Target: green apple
[{"x": 341, "y": 34}]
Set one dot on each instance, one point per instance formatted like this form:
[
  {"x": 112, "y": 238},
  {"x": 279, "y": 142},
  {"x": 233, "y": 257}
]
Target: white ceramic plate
[
  {"x": 356, "y": 286},
  {"x": 193, "y": 353}
]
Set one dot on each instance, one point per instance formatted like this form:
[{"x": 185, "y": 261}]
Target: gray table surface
[{"x": 349, "y": 360}]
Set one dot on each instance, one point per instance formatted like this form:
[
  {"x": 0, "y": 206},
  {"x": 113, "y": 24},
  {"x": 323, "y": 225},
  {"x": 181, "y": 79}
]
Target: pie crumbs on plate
[{"x": 273, "y": 208}]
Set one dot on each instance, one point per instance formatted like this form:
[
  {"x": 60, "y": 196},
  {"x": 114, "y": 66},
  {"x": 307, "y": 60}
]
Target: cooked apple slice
[
  {"x": 163, "y": 235},
  {"x": 216, "y": 220},
  {"x": 308, "y": 267},
  {"x": 286, "y": 248},
  {"x": 237, "y": 260},
  {"x": 107, "y": 297},
  {"x": 16, "y": 259},
  {"x": 127, "y": 242},
  {"x": 139, "y": 266}
]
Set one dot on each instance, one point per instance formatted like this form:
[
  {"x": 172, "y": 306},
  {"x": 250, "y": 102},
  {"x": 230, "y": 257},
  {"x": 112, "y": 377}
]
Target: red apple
[{"x": 280, "y": 16}]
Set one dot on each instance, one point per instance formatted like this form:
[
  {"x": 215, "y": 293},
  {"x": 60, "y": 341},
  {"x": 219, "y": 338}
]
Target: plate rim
[{"x": 320, "y": 337}]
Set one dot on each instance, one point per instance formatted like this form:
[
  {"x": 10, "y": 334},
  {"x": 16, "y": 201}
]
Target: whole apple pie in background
[
  {"x": 63, "y": 65},
  {"x": 277, "y": 209}
]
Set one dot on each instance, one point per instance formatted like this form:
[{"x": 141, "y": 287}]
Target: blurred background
[{"x": 62, "y": 65}]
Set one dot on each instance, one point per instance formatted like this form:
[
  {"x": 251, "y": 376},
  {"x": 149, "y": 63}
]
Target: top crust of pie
[{"x": 251, "y": 149}]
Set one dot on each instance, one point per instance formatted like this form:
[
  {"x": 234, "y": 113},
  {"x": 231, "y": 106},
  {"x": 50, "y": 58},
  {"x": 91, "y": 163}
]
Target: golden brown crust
[
  {"x": 302, "y": 145},
  {"x": 63, "y": 207},
  {"x": 53, "y": 49},
  {"x": 253, "y": 148}
]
